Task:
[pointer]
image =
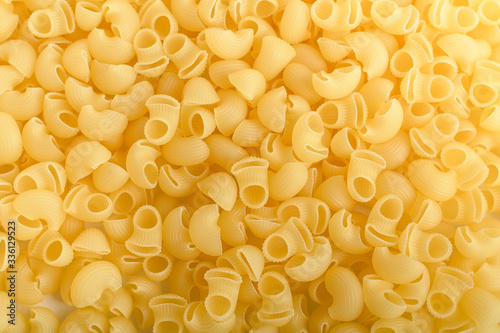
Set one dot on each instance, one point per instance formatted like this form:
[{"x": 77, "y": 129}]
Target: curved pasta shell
[
  {"x": 199, "y": 91},
  {"x": 29, "y": 292},
  {"x": 49, "y": 70},
  {"x": 385, "y": 263},
  {"x": 347, "y": 234},
  {"x": 11, "y": 141},
  {"x": 39, "y": 144},
  {"x": 250, "y": 84},
  {"x": 204, "y": 231},
  {"x": 92, "y": 280},
  {"x": 273, "y": 57},
  {"x": 221, "y": 188},
  {"x": 87, "y": 15},
  {"x": 22, "y": 105},
  {"x": 45, "y": 175},
  {"x": 223, "y": 288},
  {"x": 12, "y": 78},
  {"x": 219, "y": 71},
  {"x": 176, "y": 235},
  {"x": 228, "y": 44},
  {"x": 112, "y": 79},
  {"x": 10, "y": 21},
  {"x": 92, "y": 241},
  {"x": 298, "y": 78},
  {"x": 385, "y": 124},
  {"x": 41, "y": 204},
  {"x": 198, "y": 320},
  {"x": 244, "y": 259},
  {"x": 306, "y": 138},
  {"x": 80, "y": 94},
  {"x": 337, "y": 84},
  {"x": 424, "y": 246},
  {"x": 141, "y": 165},
  {"x": 310, "y": 266},
  {"x": 182, "y": 181},
  {"x": 272, "y": 108},
  {"x": 188, "y": 57},
  {"x": 277, "y": 304},
  {"x": 230, "y": 111},
  {"x": 43, "y": 318},
  {"x": 333, "y": 50},
  {"x": 83, "y": 158},
  {"x": 347, "y": 293},
  {"x": 147, "y": 236},
  {"x": 362, "y": 172},
  {"x": 185, "y": 151},
  {"x": 452, "y": 19},
  {"x": 55, "y": 20},
  {"x": 337, "y": 16},
  {"x": 106, "y": 48},
  {"x": 289, "y": 239},
  {"x": 380, "y": 298},
  {"x": 395, "y": 19},
  {"x": 101, "y": 125},
  {"x": 109, "y": 177},
  {"x": 155, "y": 15},
  {"x": 84, "y": 202},
  {"x": 20, "y": 55},
  {"x": 365, "y": 45}
]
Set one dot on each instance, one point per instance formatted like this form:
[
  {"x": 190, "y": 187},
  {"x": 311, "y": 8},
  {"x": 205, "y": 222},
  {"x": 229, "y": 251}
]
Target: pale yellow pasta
[
  {"x": 127, "y": 263},
  {"x": 84, "y": 202},
  {"x": 380, "y": 229},
  {"x": 481, "y": 306},
  {"x": 213, "y": 14},
  {"x": 385, "y": 123},
  {"x": 55, "y": 20},
  {"x": 416, "y": 114},
  {"x": 391, "y": 182},
  {"x": 220, "y": 70},
  {"x": 156, "y": 16},
  {"x": 197, "y": 320},
  {"x": 128, "y": 198},
  {"x": 39, "y": 143},
  {"x": 277, "y": 303},
  {"x": 143, "y": 290},
  {"x": 185, "y": 12},
  {"x": 424, "y": 246},
  {"x": 28, "y": 292},
  {"x": 442, "y": 65},
  {"x": 249, "y": 83},
  {"x": 307, "y": 138},
  {"x": 112, "y": 79},
  {"x": 260, "y": 8},
  {"x": 446, "y": 17},
  {"x": 22, "y": 105},
  {"x": 370, "y": 51},
  {"x": 188, "y": 57},
  {"x": 164, "y": 113},
  {"x": 349, "y": 327},
  {"x": 158, "y": 267},
  {"x": 43, "y": 319},
  {"x": 298, "y": 78},
  {"x": 320, "y": 320},
  {"x": 59, "y": 116},
  {"x": 347, "y": 232},
  {"x": 490, "y": 118},
  {"x": 101, "y": 125},
  {"x": 394, "y": 18},
  {"x": 186, "y": 151},
  {"x": 484, "y": 85},
  {"x": 492, "y": 162},
  {"x": 364, "y": 168},
  {"x": 198, "y": 121},
  {"x": 91, "y": 242},
  {"x": 467, "y": 206},
  {"x": 20, "y": 55},
  {"x": 146, "y": 238},
  {"x": 273, "y": 57},
  {"x": 376, "y": 92},
  {"x": 345, "y": 288},
  {"x": 87, "y": 15},
  {"x": 394, "y": 151},
  {"x": 233, "y": 230},
  {"x": 83, "y": 158},
  {"x": 276, "y": 152},
  {"x": 478, "y": 242},
  {"x": 395, "y": 324},
  {"x": 52, "y": 248},
  {"x": 228, "y": 44},
  {"x": 470, "y": 168},
  {"x": 252, "y": 178},
  {"x": 246, "y": 260},
  {"x": 334, "y": 191},
  {"x": 133, "y": 103},
  {"x": 452, "y": 43},
  {"x": 168, "y": 311},
  {"x": 204, "y": 231},
  {"x": 395, "y": 267},
  {"x": 221, "y": 188},
  {"x": 337, "y": 16},
  {"x": 337, "y": 84},
  {"x": 427, "y": 141},
  {"x": 122, "y": 17},
  {"x": 333, "y": 50},
  {"x": 291, "y": 238},
  {"x": 426, "y": 212},
  {"x": 419, "y": 87},
  {"x": 223, "y": 287},
  {"x": 295, "y": 22},
  {"x": 272, "y": 108},
  {"x": 121, "y": 324},
  {"x": 230, "y": 111},
  {"x": 432, "y": 179},
  {"x": 9, "y": 19},
  {"x": 84, "y": 319},
  {"x": 141, "y": 165},
  {"x": 381, "y": 299},
  {"x": 49, "y": 70},
  {"x": 280, "y": 187},
  {"x": 80, "y": 94},
  {"x": 308, "y": 266},
  {"x": 109, "y": 49},
  {"x": 41, "y": 204},
  {"x": 249, "y": 133},
  {"x": 119, "y": 227},
  {"x": 350, "y": 111},
  {"x": 199, "y": 91},
  {"x": 109, "y": 177},
  {"x": 223, "y": 151},
  {"x": 182, "y": 181},
  {"x": 447, "y": 289},
  {"x": 11, "y": 142},
  {"x": 12, "y": 78}
]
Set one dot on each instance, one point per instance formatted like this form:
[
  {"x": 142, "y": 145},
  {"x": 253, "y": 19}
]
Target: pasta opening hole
[
  {"x": 156, "y": 129},
  {"x": 196, "y": 170},
  {"x": 490, "y": 199},
  {"x": 26, "y": 183},
  {"x": 157, "y": 264},
  {"x": 89, "y": 7},
  {"x": 402, "y": 62},
  {"x": 271, "y": 286},
  {"x": 441, "y": 304},
  {"x": 124, "y": 202},
  {"x": 6, "y": 168},
  {"x": 384, "y": 330},
  {"x": 69, "y": 119},
  {"x": 444, "y": 68},
  {"x": 364, "y": 187},
  {"x": 322, "y": 220},
  {"x": 162, "y": 26},
  {"x": 32, "y": 224},
  {"x": 322, "y": 294},
  {"x": 265, "y": 8},
  {"x": 493, "y": 175},
  {"x": 394, "y": 298},
  {"x": 194, "y": 294},
  {"x": 218, "y": 305},
  {"x": 145, "y": 39},
  {"x": 248, "y": 23},
  {"x": 98, "y": 203},
  {"x": 199, "y": 275},
  {"x": 438, "y": 246},
  {"x": 465, "y": 135},
  {"x": 197, "y": 125},
  {"x": 54, "y": 251},
  {"x": 277, "y": 247},
  {"x": 139, "y": 316},
  {"x": 380, "y": 236},
  {"x": 446, "y": 125},
  {"x": 454, "y": 158},
  {"x": 290, "y": 211},
  {"x": 466, "y": 17},
  {"x": 315, "y": 124},
  {"x": 167, "y": 326},
  {"x": 487, "y": 112},
  {"x": 202, "y": 58},
  {"x": 146, "y": 218},
  {"x": 421, "y": 109},
  {"x": 491, "y": 10},
  {"x": 450, "y": 209},
  {"x": 174, "y": 44},
  {"x": 151, "y": 172},
  {"x": 484, "y": 94},
  {"x": 253, "y": 195},
  {"x": 61, "y": 73},
  {"x": 41, "y": 22},
  {"x": 189, "y": 315},
  {"x": 440, "y": 87},
  {"x": 351, "y": 138},
  {"x": 323, "y": 9},
  {"x": 329, "y": 113}
]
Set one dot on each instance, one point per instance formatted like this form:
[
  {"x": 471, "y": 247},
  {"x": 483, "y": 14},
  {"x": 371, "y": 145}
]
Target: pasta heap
[{"x": 223, "y": 166}]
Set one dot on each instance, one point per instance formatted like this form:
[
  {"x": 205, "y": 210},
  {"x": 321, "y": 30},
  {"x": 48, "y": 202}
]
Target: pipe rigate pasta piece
[
  {"x": 337, "y": 16},
  {"x": 85, "y": 319},
  {"x": 381, "y": 299},
  {"x": 277, "y": 303},
  {"x": 291, "y": 238},
  {"x": 362, "y": 173},
  {"x": 345, "y": 288},
  {"x": 204, "y": 230},
  {"x": 146, "y": 239},
  {"x": 168, "y": 310},
  {"x": 156, "y": 16}
]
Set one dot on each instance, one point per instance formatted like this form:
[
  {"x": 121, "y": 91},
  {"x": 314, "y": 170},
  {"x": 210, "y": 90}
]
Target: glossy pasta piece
[
  {"x": 146, "y": 238},
  {"x": 467, "y": 206},
  {"x": 101, "y": 125},
  {"x": 470, "y": 168},
  {"x": 221, "y": 188},
  {"x": 39, "y": 143},
  {"x": 162, "y": 124},
  {"x": 84, "y": 202},
  {"x": 381, "y": 299},
  {"x": 182, "y": 181},
  {"x": 277, "y": 303},
  {"x": 141, "y": 165},
  {"x": 395, "y": 19},
  {"x": 478, "y": 242},
  {"x": 204, "y": 231},
  {"x": 228, "y": 44},
  {"x": 448, "y": 287},
  {"x": 112, "y": 79},
  {"x": 188, "y": 57},
  {"x": 307, "y": 138},
  {"x": 364, "y": 168},
  {"x": 156, "y": 16},
  {"x": 365, "y": 45},
  {"x": 337, "y": 84},
  {"x": 128, "y": 198},
  {"x": 346, "y": 291},
  {"x": 20, "y": 55},
  {"x": 245, "y": 260},
  {"x": 334, "y": 192},
  {"x": 87, "y": 15},
  {"x": 55, "y": 20},
  {"x": 395, "y": 267},
  {"x": 291, "y": 238},
  {"x": 422, "y": 173},
  {"x": 394, "y": 151},
  {"x": 249, "y": 83},
  {"x": 168, "y": 311},
  {"x": 280, "y": 187},
  {"x": 143, "y": 290},
  {"x": 223, "y": 287},
  {"x": 350, "y": 111},
  {"x": 109, "y": 177},
  {"x": 10, "y": 20},
  {"x": 427, "y": 141},
  {"x": 41, "y": 204},
  {"x": 347, "y": 232},
  {"x": 414, "y": 293},
  {"x": 109, "y": 49},
  {"x": 133, "y": 103},
  {"x": 252, "y": 178},
  {"x": 198, "y": 121},
  {"x": 272, "y": 108},
  {"x": 43, "y": 319},
  {"x": 295, "y": 22},
  {"x": 426, "y": 212},
  {"x": 424, "y": 246},
  {"x": 337, "y": 16},
  {"x": 385, "y": 123}
]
